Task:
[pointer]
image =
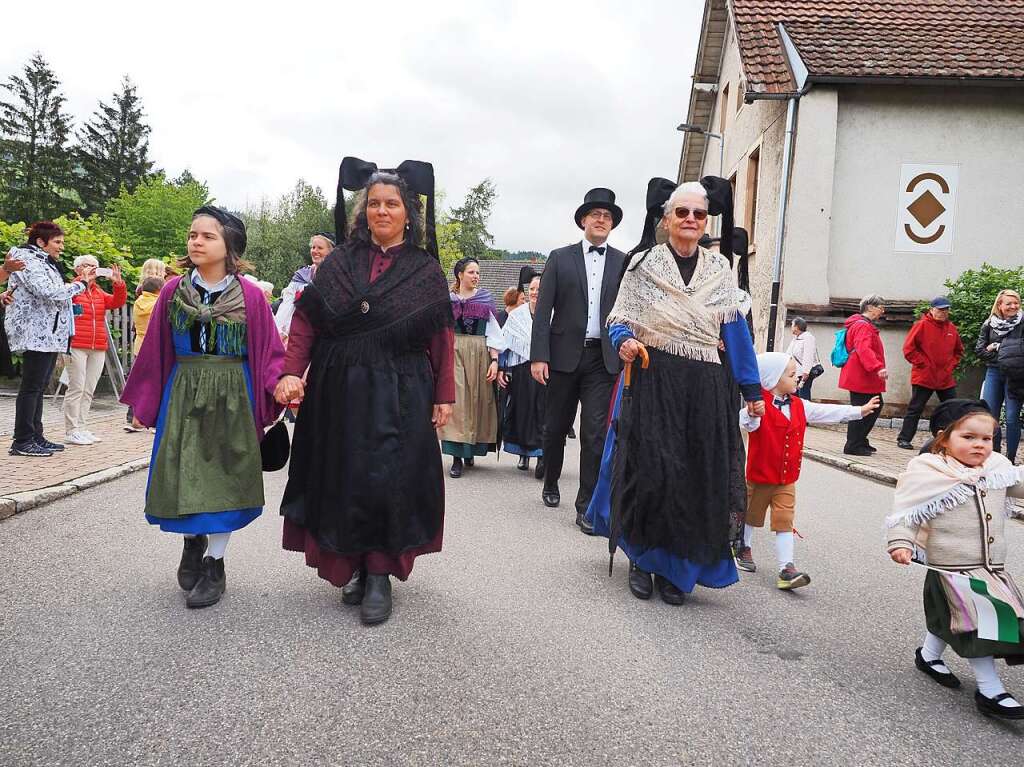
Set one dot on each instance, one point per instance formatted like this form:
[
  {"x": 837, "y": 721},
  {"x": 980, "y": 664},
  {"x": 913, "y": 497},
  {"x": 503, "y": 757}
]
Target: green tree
[
  {"x": 972, "y": 295},
  {"x": 36, "y": 166},
  {"x": 472, "y": 216},
  {"x": 153, "y": 220},
  {"x": 448, "y": 243},
  {"x": 113, "y": 149},
  {"x": 279, "y": 231}
]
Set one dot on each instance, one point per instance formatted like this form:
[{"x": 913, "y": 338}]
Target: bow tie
[
  {"x": 598, "y": 248},
  {"x": 780, "y": 401}
]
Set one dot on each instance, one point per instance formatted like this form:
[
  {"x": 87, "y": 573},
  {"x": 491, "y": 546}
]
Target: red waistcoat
[{"x": 776, "y": 448}]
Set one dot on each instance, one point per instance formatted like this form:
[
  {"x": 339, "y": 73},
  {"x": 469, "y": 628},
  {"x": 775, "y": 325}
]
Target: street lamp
[{"x": 688, "y": 128}]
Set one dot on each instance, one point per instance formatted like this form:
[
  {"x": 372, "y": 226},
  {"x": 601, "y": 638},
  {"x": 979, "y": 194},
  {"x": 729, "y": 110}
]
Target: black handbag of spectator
[
  {"x": 275, "y": 447},
  {"x": 815, "y": 371}
]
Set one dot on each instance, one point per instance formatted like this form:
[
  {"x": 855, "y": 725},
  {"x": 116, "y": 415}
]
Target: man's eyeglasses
[{"x": 698, "y": 213}]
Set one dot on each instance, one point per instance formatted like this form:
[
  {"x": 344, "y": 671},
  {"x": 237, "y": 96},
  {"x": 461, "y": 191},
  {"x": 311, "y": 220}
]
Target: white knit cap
[{"x": 771, "y": 366}]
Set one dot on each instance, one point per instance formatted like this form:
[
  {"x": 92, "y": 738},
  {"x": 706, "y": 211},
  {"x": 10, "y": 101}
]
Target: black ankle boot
[
  {"x": 524, "y": 463},
  {"x": 456, "y": 470},
  {"x": 538, "y": 473},
  {"x": 352, "y": 592},
  {"x": 191, "y": 566},
  {"x": 211, "y": 585},
  {"x": 376, "y": 607},
  {"x": 470, "y": 462}
]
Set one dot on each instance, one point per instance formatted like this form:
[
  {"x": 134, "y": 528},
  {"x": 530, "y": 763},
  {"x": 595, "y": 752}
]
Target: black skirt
[
  {"x": 684, "y": 489},
  {"x": 365, "y": 472},
  {"x": 523, "y": 412}
]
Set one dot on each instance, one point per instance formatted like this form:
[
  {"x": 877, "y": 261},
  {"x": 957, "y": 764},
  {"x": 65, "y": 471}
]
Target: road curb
[
  {"x": 17, "y": 503},
  {"x": 853, "y": 467}
]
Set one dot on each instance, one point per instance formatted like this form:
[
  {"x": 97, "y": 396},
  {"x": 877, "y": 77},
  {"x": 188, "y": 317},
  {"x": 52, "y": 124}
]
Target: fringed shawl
[
  {"x": 152, "y": 367},
  {"x": 933, "y": 484},
  {"x": 480, "y": 306},
  {"x": 226, "y": 316},
  {"x": 663, "y": 312},
  {"x": 518, "y": 331}
]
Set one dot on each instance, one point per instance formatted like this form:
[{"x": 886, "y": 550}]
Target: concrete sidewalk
[{"x": 29, "y": 482}]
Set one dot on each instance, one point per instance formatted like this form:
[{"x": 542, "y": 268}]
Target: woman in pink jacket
[{"x": 864, "y": 375}]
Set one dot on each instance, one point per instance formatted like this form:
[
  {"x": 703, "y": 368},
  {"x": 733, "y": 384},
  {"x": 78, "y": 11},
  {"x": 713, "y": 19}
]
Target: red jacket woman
[
  {"x": 867, "y": 357},
  {"x": 90, "y": 330}
]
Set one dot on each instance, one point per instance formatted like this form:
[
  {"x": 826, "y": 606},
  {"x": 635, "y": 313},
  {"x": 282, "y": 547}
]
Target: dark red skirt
[{"x": 338, "y": 568}]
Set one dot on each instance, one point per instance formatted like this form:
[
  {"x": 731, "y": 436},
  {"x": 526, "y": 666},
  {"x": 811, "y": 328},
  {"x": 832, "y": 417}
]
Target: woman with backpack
[
  {"x": 863, "y": 372},
  {"x": 1004, "y": 377}
]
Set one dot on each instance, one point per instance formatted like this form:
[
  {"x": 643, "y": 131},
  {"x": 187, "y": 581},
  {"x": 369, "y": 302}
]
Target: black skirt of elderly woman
[
  {"x": 677, "y": 476},
  {"x": 365, "y": 494}
]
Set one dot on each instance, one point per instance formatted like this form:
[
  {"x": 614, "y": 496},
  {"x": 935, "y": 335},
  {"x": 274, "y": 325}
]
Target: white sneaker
[
  {"x": 78, "y": 438},
  {"x": 91, "y": 436}
]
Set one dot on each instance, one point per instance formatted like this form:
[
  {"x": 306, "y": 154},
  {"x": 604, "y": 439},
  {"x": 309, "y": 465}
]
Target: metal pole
[{"x": 780, "y": 229}]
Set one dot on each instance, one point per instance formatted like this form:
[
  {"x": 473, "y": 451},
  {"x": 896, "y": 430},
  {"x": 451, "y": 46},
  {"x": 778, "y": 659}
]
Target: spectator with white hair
[
  {"x": 804, "y": 349},
  {"x": 864, "y": 374},
  {"x": 89, "y": 345}
]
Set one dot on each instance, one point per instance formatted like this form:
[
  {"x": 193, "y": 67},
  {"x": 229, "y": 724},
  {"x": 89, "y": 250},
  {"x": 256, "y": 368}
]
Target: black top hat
[{"x": 599, "y": 198}]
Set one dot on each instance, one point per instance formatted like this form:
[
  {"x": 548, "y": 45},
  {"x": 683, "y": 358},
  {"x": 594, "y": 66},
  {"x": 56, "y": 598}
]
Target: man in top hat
[
  {"x": 570, "y": 351},
  {"x": 933, "y": 348}
]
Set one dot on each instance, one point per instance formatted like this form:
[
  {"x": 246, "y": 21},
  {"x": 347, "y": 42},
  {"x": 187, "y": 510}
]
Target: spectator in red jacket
[
  {"x": 864, "y": 375},
  {"x": 88, "y": 346},
  {"x": 934, "y": 348}
]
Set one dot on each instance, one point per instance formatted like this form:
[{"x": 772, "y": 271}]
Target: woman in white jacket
[{"x": 804, "y": 349}]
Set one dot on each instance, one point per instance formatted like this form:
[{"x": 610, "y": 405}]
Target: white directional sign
[{"x": 927, "y": 208}]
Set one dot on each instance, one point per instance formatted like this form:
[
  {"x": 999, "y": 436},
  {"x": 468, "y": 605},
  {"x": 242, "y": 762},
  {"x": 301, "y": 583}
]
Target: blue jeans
[{"x": 994, "y": 392}]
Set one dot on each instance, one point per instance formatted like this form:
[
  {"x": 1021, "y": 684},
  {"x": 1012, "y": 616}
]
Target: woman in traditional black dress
[{"x": 365, "y": 491}]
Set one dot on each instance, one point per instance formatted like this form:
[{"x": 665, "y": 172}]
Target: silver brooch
[{"x": 364, "y": 307}]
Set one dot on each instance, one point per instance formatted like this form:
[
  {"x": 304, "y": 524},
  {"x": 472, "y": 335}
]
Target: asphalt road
[{"x": 512, "y": 646}]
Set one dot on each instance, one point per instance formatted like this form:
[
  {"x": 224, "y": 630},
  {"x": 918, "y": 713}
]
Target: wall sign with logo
[{"x": 927, "y": 208}]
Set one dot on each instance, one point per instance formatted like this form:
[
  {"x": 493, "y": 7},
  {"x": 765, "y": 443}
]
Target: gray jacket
[{"x": 41, "y": 318}]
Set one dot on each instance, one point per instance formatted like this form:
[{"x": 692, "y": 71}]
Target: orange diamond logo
[{"x": 926, "y": 209}]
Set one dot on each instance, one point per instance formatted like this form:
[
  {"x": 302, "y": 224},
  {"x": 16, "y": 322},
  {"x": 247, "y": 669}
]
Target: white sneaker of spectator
[
  {"x": 79, "y": 437},
  {"x": 91, "y": 436}
]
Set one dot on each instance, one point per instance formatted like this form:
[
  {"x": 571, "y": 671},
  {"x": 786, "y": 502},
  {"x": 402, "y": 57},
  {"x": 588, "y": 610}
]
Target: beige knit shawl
[{"x": 663, "y": 312}]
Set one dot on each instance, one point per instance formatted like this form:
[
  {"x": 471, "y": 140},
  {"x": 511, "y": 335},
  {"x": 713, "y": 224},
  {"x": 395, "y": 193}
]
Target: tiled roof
[
  {"x": 499, "y": 276},
  {"x": 852, "y": 39}
]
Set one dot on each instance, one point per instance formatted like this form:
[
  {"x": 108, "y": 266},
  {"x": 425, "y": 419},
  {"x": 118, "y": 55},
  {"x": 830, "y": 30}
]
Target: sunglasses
[{"x": 698, "y": 213}]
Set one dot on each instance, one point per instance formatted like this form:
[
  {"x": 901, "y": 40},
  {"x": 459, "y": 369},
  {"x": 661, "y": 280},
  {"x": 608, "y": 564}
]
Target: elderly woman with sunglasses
[{"x": 682, "y": 486}]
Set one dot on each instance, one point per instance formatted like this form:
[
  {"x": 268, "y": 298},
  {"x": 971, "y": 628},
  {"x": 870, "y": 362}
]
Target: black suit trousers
[
  {"x": 916, "y": 405},
  {"x": 591, "y": 386}
]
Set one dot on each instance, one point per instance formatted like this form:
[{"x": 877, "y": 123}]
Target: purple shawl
[
  {"x": 479, "y": 307},
  {"x": 156, "y": 359}
]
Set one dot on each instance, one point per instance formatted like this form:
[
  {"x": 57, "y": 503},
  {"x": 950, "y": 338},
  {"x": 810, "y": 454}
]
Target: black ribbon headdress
[
  {"x": 719, "y": 192},
  {"x": 419, "y": 176}
]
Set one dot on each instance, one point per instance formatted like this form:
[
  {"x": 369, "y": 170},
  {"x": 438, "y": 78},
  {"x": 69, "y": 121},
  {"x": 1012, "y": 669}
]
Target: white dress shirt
[
  {"x": 816, "y": 412},
  {"x": 594, "y": 263}
]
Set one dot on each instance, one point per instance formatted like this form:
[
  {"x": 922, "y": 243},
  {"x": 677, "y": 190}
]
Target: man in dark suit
[{"x": 570, "y": 352}]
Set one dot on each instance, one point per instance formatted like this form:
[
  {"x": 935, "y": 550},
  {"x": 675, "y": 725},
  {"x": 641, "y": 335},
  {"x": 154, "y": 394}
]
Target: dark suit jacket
[{"x": 560, "y": 321}]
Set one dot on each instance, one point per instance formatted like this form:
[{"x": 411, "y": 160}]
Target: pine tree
[
  {"x": 113, "y": 149},
  {"x": 36, "y": 166}
]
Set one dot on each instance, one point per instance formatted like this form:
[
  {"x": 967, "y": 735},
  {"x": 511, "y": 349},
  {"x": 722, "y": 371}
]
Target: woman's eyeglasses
[{"x": 698, "y": 213}]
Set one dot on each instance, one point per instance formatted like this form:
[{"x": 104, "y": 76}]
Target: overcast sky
[{"x": 548, "y": 99}]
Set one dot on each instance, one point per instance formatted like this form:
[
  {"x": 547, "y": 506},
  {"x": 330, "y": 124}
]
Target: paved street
[{"x": 510, "y": 647}]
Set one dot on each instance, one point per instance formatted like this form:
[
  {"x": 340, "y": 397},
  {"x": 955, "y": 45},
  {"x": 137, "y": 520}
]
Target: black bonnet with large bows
[{"x": 354, "y": 175}]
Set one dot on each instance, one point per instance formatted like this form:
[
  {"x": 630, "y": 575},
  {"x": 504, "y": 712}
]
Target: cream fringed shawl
[{"x": 663, "y": 312}]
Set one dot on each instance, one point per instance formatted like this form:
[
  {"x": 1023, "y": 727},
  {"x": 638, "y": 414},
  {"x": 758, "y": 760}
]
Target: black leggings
[{"x": 36, "y": 369}]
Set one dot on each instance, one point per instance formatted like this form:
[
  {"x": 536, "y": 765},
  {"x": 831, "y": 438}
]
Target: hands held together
[{"x": 289, "y": 389}]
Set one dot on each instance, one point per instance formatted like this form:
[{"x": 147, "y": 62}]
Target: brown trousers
[{"x": 781, "y": 498}]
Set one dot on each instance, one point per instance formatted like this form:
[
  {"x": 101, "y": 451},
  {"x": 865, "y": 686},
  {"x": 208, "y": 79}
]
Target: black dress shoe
[
  {"x": 551, "y": 496},
  {"x": 191, "y": 565},
  {"x": 470, "y": 462},
  {"x": 872, "y": 448},
  {"x": 524, "y": 463},
  {"x": 352, "y": 592},
  {"x": 670, "y": 595},
  {"x": 584, "y": 524},
  {"x": 456, "y": 470},
  {"x": 376, "y": 607},
  {"x": 991, "y": 707},
  {"x": 864, "y": 451},
  {"x": 928, "y": 667},
  {"x": 211, "y": 584},
  {"x": 538, "y": 473},
  {"x": 640, "y": 583},
  {"x": 904, "y": 444}
]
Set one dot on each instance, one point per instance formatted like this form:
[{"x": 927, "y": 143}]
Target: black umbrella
[{"x": 622, "y": 426}]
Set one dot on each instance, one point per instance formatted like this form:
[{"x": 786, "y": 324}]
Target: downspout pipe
[{"x": 780, "y": 229}]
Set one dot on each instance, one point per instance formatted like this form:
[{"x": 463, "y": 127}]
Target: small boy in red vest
[{"x": 774, "y": 456}]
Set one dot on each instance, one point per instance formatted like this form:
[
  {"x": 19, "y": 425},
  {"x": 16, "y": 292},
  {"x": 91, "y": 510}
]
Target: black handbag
[
  {"x": 815, "y": 371},
  {"x": 275, "y": 447}
]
